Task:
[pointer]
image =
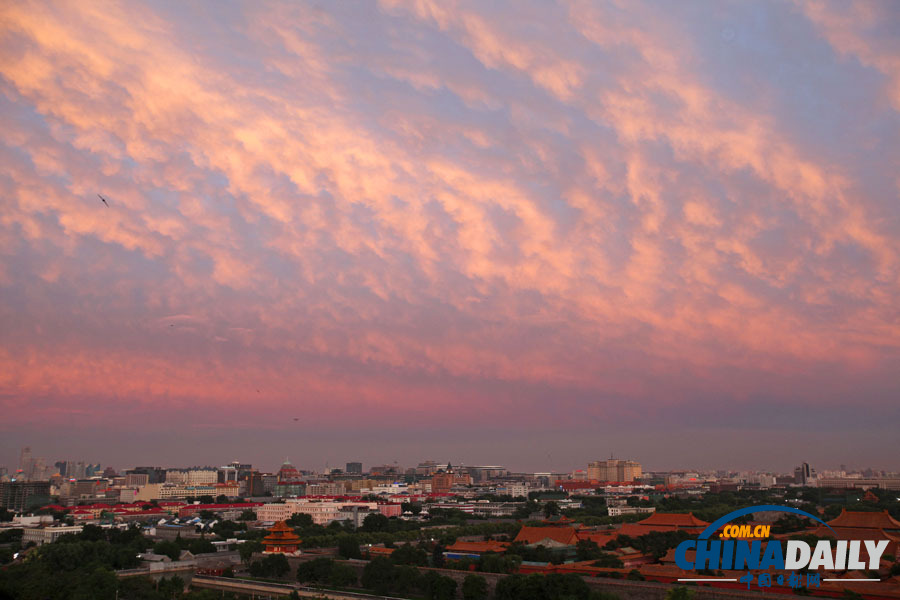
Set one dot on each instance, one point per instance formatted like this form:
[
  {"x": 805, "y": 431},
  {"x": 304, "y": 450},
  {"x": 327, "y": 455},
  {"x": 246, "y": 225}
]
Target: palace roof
[
  {"x": 566, "y": 536},
  {"x": 675, "y": 520},
  {"x": 478, "y": 547},
  {"x": 866, "y": 520},
  {"x": 281, "y": 533}
]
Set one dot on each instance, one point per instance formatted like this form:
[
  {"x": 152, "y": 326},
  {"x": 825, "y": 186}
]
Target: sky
[{"x": 522, "y": 233}]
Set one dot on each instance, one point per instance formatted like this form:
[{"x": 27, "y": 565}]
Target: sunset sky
[{"x": 525, "y": 233}]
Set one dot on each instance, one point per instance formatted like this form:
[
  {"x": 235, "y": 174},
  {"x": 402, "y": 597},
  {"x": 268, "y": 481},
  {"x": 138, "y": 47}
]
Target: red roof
[
  {"x": 866, "y": 520},
  {"x": 563, "y": 535},
  {"x": 223, "y": 506},
  {"x": 677, "y": 520},
  {"x": 478, "y": 547}
]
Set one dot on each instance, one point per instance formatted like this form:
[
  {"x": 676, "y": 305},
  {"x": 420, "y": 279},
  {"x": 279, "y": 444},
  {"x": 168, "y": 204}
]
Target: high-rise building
[
  {"x": 136, "y": 479},
  {"x": 354, "y": 468},
  {"x": 614, "y": 469},
  {"x": 804, "y": 474},
  {"x": 27, "y": 464},
  {"x": 255, "y": 484},
  {"x": 21, "y": 495},
  {"x": 154, "y": 474}
]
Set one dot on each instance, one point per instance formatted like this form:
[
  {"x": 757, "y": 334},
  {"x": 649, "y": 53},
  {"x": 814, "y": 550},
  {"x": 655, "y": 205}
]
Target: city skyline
[
  {"x": 367, "y": 463},
  {"x": 532, "y": 233}
]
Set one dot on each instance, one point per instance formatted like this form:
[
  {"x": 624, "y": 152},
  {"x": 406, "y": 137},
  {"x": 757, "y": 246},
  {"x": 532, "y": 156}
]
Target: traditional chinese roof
[
  {"x": 675, "y": 520},
  {"x": 601, "y": 538},
  {"x": 281, "y": 533},
  {"x": 866, "y": 520},
  {"x": 566, "y": 536},
  {"x": 478, "y": 547}
]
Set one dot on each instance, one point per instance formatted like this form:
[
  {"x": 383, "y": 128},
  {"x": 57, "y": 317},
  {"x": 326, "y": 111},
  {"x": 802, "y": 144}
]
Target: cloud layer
[{"x": 442, "y": 214}]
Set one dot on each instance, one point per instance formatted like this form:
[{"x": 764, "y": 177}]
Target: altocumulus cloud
[{"x": 613, "y": 210}]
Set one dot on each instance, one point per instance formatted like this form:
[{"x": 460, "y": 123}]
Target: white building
[
  {"x": 615, "y": 511},
  {"x": 516, "y": 490},
  {"x": 192, "y": 476},
  {"x": 46, "y": 535},
  {"x": 170, "y": 491},
  {"x": 322, "y": 512}
]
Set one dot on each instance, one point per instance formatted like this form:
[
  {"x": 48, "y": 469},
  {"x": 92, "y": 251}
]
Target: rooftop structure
[{"x": 281, "y": 540}]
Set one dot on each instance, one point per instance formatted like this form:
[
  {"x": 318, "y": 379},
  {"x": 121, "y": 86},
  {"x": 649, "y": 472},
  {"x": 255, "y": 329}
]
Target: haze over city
[{"x": 528, "y": 234}]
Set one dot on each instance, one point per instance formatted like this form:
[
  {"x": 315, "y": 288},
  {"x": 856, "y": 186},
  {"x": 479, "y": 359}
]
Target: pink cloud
[{"x": 562, "y": 199}]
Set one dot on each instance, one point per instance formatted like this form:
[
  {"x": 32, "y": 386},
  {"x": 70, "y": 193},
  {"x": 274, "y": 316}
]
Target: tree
[
  {"x": 272, "y": 565},
  {"x": 679, "y": 593},
  {"x": 408, "y": 554},
  {"x": 587, "y": 550},
  {"x": 376, "y": 522},
  {"x": 248, "y": 515},
  {"x": 437, "y": 556},
  {"x": 167, "y": 548},
  {"x": 551, "y": 508},
  {"x": 406, "y": 579},
  {"x": 207, "y": 499},
  {"x": 491, "y": 562},
  {"x": 635, "y": 575},
  {"x": 474, "y": 587},
  {"x": 221, "y": 499},
  {"x": 201, "y": 547},
  {"x": 317, "y": 570},
  {"x": 348, "y": 547},
  {"x": 510, "y": 588},
  {"x": 247, "y": 549},
  {"x": 92, "y": 533},
  {"x": 100, "y": 584},
  {"x": 342, "y": 575},
  {"x": 610, "y": 561},
  {"x": 378, "y": 575},
  {"x": 438, "y": 587},
  {"x": 300, "y": 520}
]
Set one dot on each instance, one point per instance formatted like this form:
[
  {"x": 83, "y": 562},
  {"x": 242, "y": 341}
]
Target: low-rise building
[
  {"x": 615, "y": 511},
  {"x": 47, "y": 535}
]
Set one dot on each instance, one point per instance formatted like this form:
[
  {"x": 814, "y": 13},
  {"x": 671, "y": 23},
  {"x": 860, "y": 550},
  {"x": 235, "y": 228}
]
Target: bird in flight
[{"x": 102, "y": 199}]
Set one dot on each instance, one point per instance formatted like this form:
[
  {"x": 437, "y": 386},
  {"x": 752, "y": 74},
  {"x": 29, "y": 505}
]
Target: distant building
[
  {"x": 803, "y": 475},
  {"x": 47, "y": 535},
  {"x": 443, "y": 481},
  {"x": 154, "y": 474},
  {"x": 255, "y": 485},
  {"x": 616, "y": 511},
  {"x": 614, "y": 470},
  {"x": 328, "y": 488},
  {"x": 20, "y": 495},
  {"x": 354, "y": 468},
  {"x": 288, "y": 473},
  {"x": 136, "y": 479},
  {"x": 516, "y": 490},
  {"x": 200, "y": 476},
  {"x": 486, "y": 472},
  {"x": 884, "y": 483}
]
